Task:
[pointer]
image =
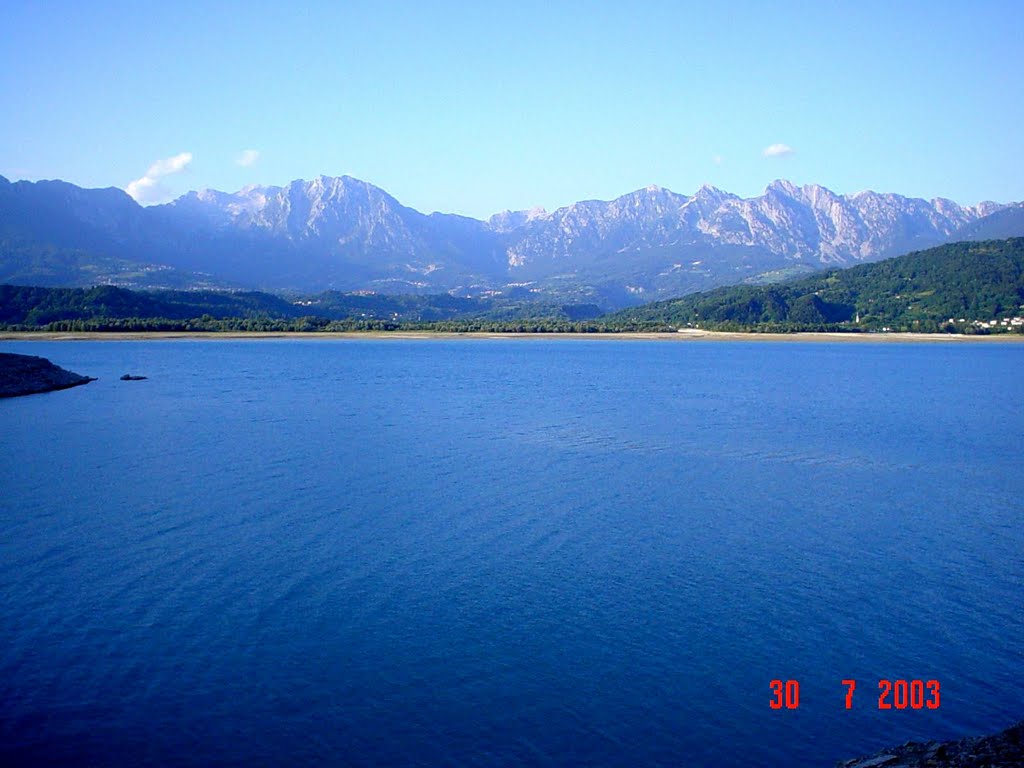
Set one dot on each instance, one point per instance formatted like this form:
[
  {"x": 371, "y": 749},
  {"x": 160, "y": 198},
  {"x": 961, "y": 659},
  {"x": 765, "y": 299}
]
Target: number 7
[{"x": 851, "y": 685}]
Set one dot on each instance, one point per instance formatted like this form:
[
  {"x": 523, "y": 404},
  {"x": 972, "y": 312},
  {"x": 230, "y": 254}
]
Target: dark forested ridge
[
  {"x": 33, "y": 306},
  {"x": 107, "y": 307},
  {"x": 971, "y": 287}
]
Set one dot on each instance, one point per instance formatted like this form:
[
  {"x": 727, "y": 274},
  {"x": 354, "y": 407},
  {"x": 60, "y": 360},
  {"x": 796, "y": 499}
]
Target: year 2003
[{"x": 892, "y": 694}]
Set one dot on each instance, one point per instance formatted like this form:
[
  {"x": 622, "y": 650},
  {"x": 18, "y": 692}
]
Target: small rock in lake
[{"x": 129, "y": 377}]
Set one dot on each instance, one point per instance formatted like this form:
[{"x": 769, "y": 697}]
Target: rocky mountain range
[{"x": 345, "y": 234}]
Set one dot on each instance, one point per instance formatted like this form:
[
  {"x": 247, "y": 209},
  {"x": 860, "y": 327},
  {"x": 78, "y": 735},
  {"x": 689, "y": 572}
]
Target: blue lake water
[{"x": 507, "y": 552}]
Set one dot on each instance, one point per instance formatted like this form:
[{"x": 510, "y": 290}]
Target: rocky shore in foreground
[
  {"x": 1002, "y": 749},
  {"x": 30, "y": 375}
]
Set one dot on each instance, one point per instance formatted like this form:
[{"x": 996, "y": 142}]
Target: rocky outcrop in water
[
  {"x": 1002, "y": 749},
  {"x": 29, "y": 375}
]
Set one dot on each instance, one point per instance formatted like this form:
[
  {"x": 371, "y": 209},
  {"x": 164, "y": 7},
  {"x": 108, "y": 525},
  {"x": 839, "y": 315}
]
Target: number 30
[{"x": 786, "y": 694}]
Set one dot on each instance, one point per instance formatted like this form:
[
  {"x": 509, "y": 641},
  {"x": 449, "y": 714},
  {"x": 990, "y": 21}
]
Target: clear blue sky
[{"x": 476, "y": 107}]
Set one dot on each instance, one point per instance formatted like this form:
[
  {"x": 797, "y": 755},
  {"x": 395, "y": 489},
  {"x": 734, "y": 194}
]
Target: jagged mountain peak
[
  {"x": 784, "y": 187},
  {"x": 870, "y": 194},
  {"x": 818, "y": 195},
  {"x": 319, "y": 186},
  {"x": 988, "y": 207},
  {"x": 651, "y": 192},
  {"x": 333, "y": 185},
  {"x": 213, "y": 196},
  {"x": 507, "y": 220},
  {"x": 341, "y": 232},
  {"x": 709, "y": 193},
  {"x": 807, "y": 222},
  {"x": 334, "y": 182}
]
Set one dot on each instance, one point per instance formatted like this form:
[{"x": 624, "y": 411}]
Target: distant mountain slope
[
  {"x": 45, "y": 264},
  {"x": 330, "y": 233},
  {"x": 345, "y": 234},
  {"x": 1005, "y": 223},
  {"x": 54, "y": 233},
  {"x": 970, "y": 283},
  {"x": 63, "y": 215},
  {"x": 808, "y": 223}
]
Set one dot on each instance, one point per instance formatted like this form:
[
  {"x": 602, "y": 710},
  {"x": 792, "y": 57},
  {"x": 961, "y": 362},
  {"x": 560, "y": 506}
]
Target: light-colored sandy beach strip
[{"x": 682, "y": 336}]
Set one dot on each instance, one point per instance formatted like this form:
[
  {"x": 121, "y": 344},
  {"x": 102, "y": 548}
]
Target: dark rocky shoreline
[
  {"x": 1002, "y": 749},
  {"x": 30, "y": 375}
]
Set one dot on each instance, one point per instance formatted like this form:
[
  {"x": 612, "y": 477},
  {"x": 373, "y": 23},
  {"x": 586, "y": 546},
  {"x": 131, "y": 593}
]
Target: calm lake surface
[{"x": 507, "y": 552}]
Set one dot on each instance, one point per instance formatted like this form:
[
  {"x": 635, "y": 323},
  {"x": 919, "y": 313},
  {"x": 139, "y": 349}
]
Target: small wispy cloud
[
  {"x": 717, "y": 159},
  {"x": 148, "y": 188},
  {"x": 247, "y": 157},
  {"x": 778, "y": 150}
]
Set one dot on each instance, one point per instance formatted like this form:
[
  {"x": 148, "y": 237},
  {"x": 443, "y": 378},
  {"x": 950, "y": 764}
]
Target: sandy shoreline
[{"x": 695, "y": 335}]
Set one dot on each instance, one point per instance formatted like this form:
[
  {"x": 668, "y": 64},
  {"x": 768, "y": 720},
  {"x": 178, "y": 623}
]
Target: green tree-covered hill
[
  {"x": 960, "y": 287},
  {"x": 34, "y": 306}
]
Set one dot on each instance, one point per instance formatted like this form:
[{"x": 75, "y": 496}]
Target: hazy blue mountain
[
  {"x": 334, "y": 233},
  {"x": 57, "y": 234},
  {"x": 345, "y": 234},
  {"x": 1004, "y": 223}
]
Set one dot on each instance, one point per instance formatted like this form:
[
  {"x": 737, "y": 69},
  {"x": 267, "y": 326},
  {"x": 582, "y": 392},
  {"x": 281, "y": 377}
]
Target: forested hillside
[
  {"x": 112, "y": 308},
  {"x": 960, "y": 287}
]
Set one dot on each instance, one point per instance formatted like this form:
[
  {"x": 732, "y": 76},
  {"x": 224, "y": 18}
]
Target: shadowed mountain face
[
  {"x": 1005, "y": 223},
  {"x": 346, "y": 234},
  {"x": 335, "y": 232}
]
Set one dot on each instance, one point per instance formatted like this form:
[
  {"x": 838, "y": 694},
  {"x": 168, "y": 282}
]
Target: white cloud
[
  {"x": 170, "y": 165},
  {"x": 778, "y": 150},
  {"x": 141, "y": 189},
  {"x": 148, "y": 188},
  {"x": 717, "y": 159},
  {"x": 247, "y": 157}
]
